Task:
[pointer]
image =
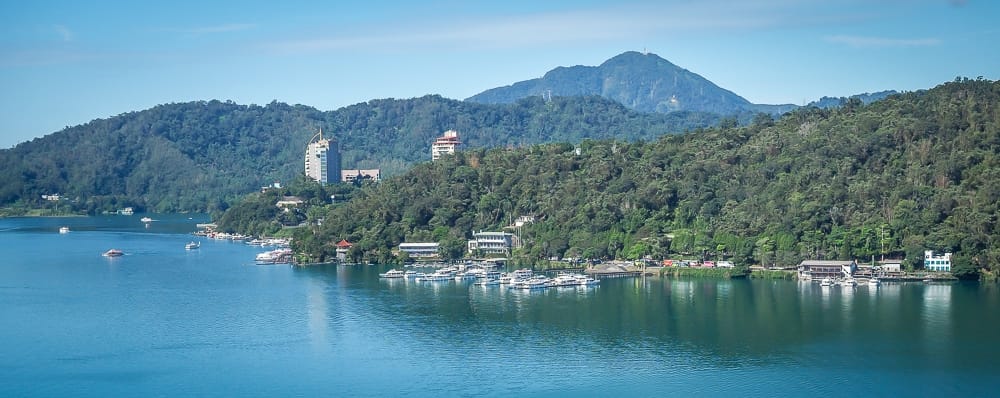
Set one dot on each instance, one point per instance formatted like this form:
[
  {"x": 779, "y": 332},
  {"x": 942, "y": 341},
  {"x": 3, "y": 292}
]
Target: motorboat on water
[
  {"x": 113, "y": 253},
  {"x": 146, "y": 219},
  {"x": 848, "y": 282},
  {"x": 874, "y": 282},
  {"x": 192, "y": 245},
  {"x": 392, "y": 274},
  {"x": 826, "y": 282},
  {"x": 64, "y": 230}
]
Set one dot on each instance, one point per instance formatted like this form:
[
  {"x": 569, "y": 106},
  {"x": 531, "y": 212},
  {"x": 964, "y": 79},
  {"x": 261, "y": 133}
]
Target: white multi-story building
[
  {"x": 420, "y": 249},
  {"x": 322, "y": 160},
  {"x": 445, "y": 144},
  {"x": 937, "y": 263},
  {"x": 492, "y": 242}
]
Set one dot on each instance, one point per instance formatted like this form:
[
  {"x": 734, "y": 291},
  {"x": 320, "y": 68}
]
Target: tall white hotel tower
[{"x": 323, "y": 159}]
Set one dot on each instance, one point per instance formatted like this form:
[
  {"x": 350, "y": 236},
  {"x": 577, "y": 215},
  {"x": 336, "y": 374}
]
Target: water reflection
[{"x": 728, "y": 323}]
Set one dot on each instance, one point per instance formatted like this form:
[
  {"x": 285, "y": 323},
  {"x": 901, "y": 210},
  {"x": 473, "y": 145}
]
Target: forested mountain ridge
[
  {"x": 196, "y": 156},
  {"x": 640, "y": 81},
  {"x": 915, "y": 171}
]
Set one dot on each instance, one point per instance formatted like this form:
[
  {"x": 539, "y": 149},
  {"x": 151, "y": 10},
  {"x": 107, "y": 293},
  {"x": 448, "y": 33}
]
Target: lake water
[{"x": 163, "y": 321}]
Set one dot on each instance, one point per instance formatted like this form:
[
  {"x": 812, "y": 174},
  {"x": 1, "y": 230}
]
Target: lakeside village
[{"x": 322, "y": 161}]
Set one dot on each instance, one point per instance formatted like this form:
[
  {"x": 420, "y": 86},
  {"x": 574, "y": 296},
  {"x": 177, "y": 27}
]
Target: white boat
[
  {"x": 146, "y": 219},
  {"x": 584, "y": 280},
  {"x": 64, "y": 230},
  {"x": 437, "y": 276},
  {"x": 536, "y": 282},
  {"x": 826, "y": 282},
  {"x": 488, "y": 282},
  {"x": 113, "y": 253},
  {"x": 564, "y": 280},
  {"x": 411, "y": 274},
  {"x": 465, "y": 276},
  {"x": 192, "y": 245},
  {"x": 874, "y": 282},
  {"x": 392, "y": 274},
  {"x": 848, "y": 282}
]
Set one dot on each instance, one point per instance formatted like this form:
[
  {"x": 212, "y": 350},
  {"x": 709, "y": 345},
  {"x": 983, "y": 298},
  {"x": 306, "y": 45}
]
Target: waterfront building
[
  {"x": 350, "y": 176},
  {"x": 937, "y": 263},
  {"x": 342, "y": 247},
  {"x": 492, "y": 242},
  {"x": 445, "y": 144},
  {"x": 819, "y": 269},
  {"x": 420, "y": 249},
  {"x": 322, "y": 160}
]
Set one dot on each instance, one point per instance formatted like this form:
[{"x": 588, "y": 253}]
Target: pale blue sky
[{"x": 64, "y": 63}]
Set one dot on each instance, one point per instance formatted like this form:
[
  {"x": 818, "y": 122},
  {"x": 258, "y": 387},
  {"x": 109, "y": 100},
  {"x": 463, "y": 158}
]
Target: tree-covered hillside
[
  {"x": 912, "y": 172},
  {"x": 197, "y": 156}
]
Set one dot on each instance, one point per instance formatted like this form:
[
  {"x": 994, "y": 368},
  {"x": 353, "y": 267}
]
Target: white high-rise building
[
  {"x": 445, "y": 144},
  {"x": 322, "y": 160}
]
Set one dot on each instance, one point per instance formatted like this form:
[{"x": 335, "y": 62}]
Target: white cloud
[
  {"x": 64, "y": 33},
  {"x": 880, "y": 42}
]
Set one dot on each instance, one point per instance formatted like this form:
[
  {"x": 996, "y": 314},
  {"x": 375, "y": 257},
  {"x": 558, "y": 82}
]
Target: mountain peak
[{"x": 639, "y": 80}]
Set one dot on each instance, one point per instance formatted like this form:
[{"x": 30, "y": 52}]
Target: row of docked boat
[
  {"x": 849, "y": 282},
  {"x": 520, "y": 279}
]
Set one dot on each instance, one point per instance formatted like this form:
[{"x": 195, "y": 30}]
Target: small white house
[{"x": 937, "y": 263}]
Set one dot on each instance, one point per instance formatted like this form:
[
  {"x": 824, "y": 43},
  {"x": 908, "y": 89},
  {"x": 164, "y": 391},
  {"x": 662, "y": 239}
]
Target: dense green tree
[{"x": 914, "y": 171}]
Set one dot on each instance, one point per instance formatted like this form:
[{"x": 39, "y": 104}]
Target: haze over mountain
[{"x": 640, "y": 81}]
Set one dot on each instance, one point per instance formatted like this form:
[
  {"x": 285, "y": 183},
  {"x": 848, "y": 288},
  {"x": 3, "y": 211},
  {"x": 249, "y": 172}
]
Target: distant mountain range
[
  {"x": 640, "y": 81},
  {"x": 646, "y": 83}
]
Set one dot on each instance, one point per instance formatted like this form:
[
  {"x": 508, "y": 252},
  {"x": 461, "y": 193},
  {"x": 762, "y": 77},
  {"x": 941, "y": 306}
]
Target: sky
[{"x": 65, "y": 63}]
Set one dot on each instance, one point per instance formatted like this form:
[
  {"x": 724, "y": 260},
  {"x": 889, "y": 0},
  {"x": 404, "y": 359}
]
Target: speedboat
[
  {"x": 146, "y": 219},
  {"x": 192, "y": 245},
  {"x": 874, "y": 282},
  {"x": 392, "y": 274},
  {"x": 826, "y": 282},
  {"x": 64, "y": 230},
  {"x": 113, "y": 253},
  {"x": 848, "y": 282}
]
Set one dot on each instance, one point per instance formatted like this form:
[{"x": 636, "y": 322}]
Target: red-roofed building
[{"x": 342, "y": 247}]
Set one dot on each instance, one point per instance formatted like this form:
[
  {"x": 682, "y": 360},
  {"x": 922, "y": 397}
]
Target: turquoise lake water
[{"x": 163, "y": 321}]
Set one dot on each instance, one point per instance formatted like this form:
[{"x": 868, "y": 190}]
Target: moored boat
[
  {"x": 392, "y": 274},
  {"x": 488, "y": 282},
  {"x": 826, "y": 282},
  {"x": 437, "y": 276}
]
